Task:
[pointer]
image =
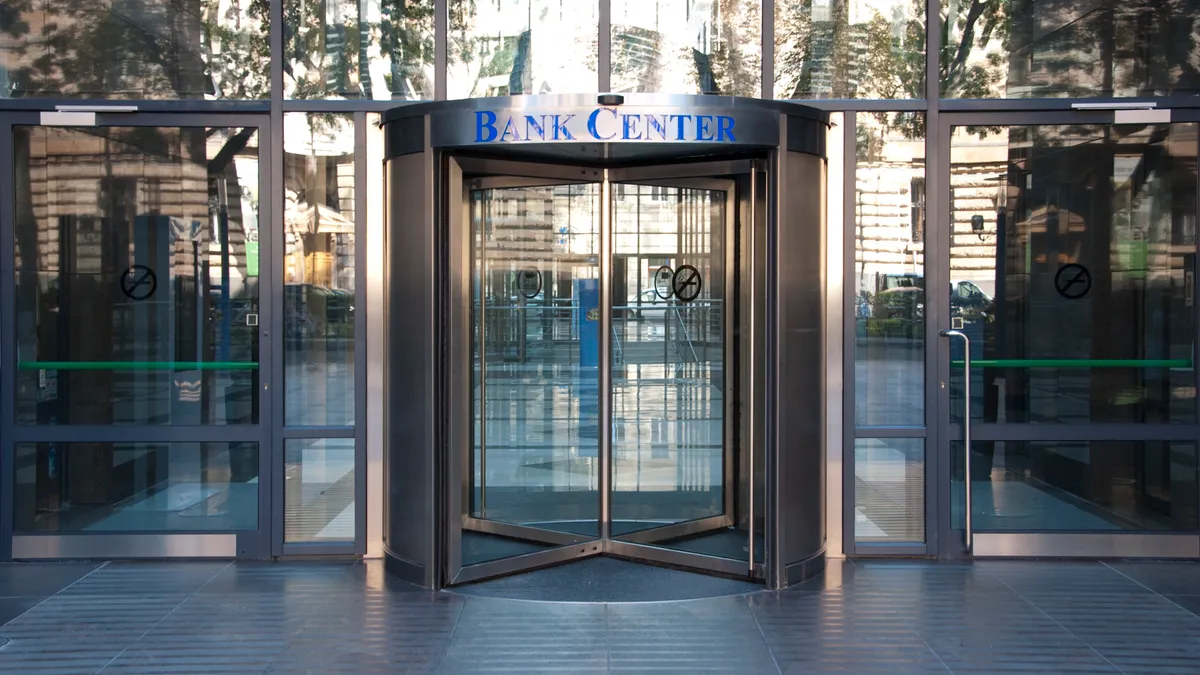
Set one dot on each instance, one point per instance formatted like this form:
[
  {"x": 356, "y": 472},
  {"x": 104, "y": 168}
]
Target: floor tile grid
[
  {"x": 989, "y": 617},
  {"x": 96, "y": 628},
  {"x": 364, "y": 632},
  {"x": 693, "y": 636},
  {"x": 993, "y": 630},
  {"x": 974, "y": 622},
  {"x": 1165, "y": 639},
  {"x": 57, "y": 592},
  {"x": 842, "y": 631},
  {"x": 139, "y": 583}
]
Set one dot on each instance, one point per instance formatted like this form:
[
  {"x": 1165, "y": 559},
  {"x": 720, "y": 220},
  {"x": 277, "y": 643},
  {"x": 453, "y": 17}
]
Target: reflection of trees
[
  {"x": 1032, "y": 49},
  {"x": 169, "y": 49},
  {"x": 334, "y": 58},
  {"x": 666, "y": 57},
  {"x": 737, "y": 57},
  {"x": 822, "y": 55}
]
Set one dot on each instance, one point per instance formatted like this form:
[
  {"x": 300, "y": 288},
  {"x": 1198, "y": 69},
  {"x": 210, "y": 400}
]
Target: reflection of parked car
[
  {"x": 651, "y": 310},
  {"x": 648, "y": 305},
  {"x": 967, "y": 298}
]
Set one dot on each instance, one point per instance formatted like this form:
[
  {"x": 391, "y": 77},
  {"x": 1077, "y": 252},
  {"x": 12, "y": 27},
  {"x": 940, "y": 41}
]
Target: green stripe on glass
[
  {"x": 1077, "y": 363},
  {"x": 138, "y": 365}
]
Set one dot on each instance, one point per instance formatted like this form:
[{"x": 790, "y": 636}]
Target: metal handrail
[
  {"x": 688, "y": 338},
  {"x": 966, "y": 430}
]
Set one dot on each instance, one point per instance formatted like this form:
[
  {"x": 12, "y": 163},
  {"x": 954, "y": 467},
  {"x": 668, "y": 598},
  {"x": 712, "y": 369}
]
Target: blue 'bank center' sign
[{"x": 603, "y": 124}]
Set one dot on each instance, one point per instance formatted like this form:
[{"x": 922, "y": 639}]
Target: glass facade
[
  {"x": 1063, "y": 255},
  {"x": 137, "y": 282},
  {"x": 850, "y": 49},
  {"x": 319, "y": 490},
  {"x": 687, "y": 47},
  {"x": 1080, "y": 486},
  {"x": 889, "y": 270},
  {"x": 513, "y": 47},
  {"x": 1102, "y": 48},
  {"x": 359, "y": 49},
  {"x": 135, "y": 487},
  {"x": 319, "y": 269},
  {"x": 186, "y": 280},
  {"x": 153, "y": 49}
]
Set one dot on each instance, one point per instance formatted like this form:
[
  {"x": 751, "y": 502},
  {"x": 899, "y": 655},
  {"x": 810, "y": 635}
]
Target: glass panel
[
  {"x": 1033, "y": 49},
  {"x": 669, "y": 387},
  {"x": 136, "y": 487},
  {"x": 318, "y": 490},
  {"x": 536, "y": 293},
  {"x": 319, "y": 268},
  {"x": 1060, "y": 234},
  {"x": 831, "y": 49},
  {"x": 359, "y": 49},
  {"x": 1079, "y": 486},
  {"x": 889, "y": 266},
  {"x": 511, "y": 47},
  {"x": 889, "y": 490},
  {"x": 151, "y": 49},
  {"x": 687, "y": 47},
  {"x": 137, "y": 282}
]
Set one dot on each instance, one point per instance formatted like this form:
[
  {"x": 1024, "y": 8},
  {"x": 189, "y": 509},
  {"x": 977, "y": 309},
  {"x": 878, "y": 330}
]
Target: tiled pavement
[{"x": 879, "y": 617}]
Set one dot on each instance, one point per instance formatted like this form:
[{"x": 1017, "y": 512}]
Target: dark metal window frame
[{"x": 253, "y": 543}]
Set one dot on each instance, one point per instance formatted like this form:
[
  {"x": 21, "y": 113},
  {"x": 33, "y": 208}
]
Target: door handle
[{"x": 968, "y": 534}]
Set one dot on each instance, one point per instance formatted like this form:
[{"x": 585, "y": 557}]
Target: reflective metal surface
[
  {"x": 752, "y": 312},
  {"x": 796, "y": 315},
  {"x": 376, "y": 344},
  {"x": 124, "y": 546},
  {"x": 1070, "y": 545},
  {"x": 411, "y": 360},
  {"x": 835, "y": 351},
  {"x": 643, "y": 129}
]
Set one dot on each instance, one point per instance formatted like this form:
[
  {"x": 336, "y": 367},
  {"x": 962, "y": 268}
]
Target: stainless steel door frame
[
  {"x": 465, "y": 174},
  {"x": 124, "y": 544}
]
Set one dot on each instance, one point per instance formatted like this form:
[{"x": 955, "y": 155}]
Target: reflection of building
[
  {"x": 103, "y": 205},
  {"x": 85, "y": 49},
  {"x": 498, "y": 53},
  {"x": 319, "y": 202},
  {"x": 651, "y": 52},
  {"x": 890, "y": 211}
]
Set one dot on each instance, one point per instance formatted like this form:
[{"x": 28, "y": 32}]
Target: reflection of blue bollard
[
  {"x": 587, "y": 291},
  {"x": 587, "y": 294}
]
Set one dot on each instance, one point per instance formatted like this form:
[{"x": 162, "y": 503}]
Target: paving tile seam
[
  {"x": 164, "y": 617},
  {"x": 1068, "y": 630},
  {"x": 58, "y": 592}
]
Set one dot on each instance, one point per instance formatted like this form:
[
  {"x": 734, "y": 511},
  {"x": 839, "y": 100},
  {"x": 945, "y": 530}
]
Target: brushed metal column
[{"x": 604, "y": 452}]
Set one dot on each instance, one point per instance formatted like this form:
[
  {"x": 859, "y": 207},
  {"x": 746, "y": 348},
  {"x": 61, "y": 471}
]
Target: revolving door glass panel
[
  {"x": 673, "y": 469},
  {"x": 593, "y": 304},
  {"x": 536, "y": 389}
]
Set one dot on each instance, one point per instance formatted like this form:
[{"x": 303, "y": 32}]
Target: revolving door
[{"x": 583, "y": 344}]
